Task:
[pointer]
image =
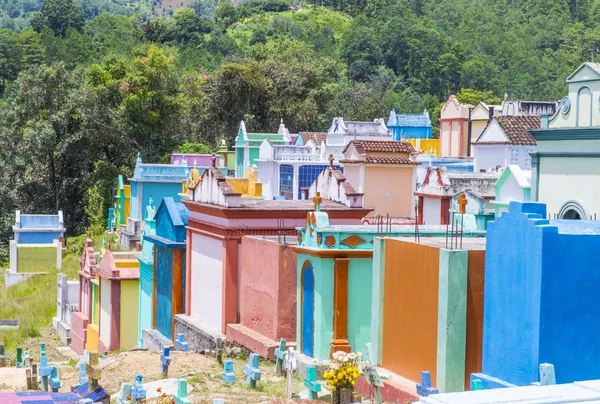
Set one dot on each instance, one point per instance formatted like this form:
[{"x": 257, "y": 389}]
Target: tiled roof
[
  {"x": 381, "y": 146},
  {"x": 516, "y": 129},
  {"x": 383, "y": 160},
  {"x": 317, "y": 137}
]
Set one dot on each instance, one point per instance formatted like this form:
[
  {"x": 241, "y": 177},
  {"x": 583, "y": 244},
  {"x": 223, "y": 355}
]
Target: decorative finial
[
  {"x": 317, "y": 201},
  {"x": 281, "y": 122},
  {"x": 505, "y": 96},
  {"x": 194, "y": 163},
  {"x": 213, "y": 160},
  {"x": 331, "y": 161},
  {"x": 108, "y": 245}
]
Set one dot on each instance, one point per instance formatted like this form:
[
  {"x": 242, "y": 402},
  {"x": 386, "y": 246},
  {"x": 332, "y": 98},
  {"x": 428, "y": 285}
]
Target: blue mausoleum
[
  {"x": 410, "y": 126},
  {"x": 541, "y": 297},
  {"x": 38, "y": 229}
]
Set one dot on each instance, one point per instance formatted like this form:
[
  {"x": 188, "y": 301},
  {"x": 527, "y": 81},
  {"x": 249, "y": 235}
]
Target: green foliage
[
  {"x": 59, "y": 16},
  {"x": 194, "y": 148},
  {"x": 474, "y": 97}
]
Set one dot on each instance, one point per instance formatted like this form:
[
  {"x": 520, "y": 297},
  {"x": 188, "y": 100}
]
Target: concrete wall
[
  {"x": 432, "y": 211},
  {"x": 487, "y": 156},
  {"x": 390, "y": 190},
  {"x": 145, "y": 304},
  {"x": 540, "y": 297},
  {"x": 105, "y": 312},
  {"x": 130, "y": 294},
  {"x": 268, "y": 273},
  {"x": 360, "y": 279},
  {"x": 474, "y": 333},
  {"x": 207, "y": 280}
]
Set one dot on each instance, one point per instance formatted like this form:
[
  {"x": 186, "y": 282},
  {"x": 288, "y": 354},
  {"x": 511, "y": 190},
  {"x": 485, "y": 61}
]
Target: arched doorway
[
  {"x": 574, "y": 210},
  {"x": 308, "y": 308}
]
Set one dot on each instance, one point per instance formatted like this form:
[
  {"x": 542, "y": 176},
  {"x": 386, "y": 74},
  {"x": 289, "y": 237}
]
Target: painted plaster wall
[
  {"x": 410, "y": 311},
  {"x": 268, "y": 176},
  {"x": 95, "y": 303},
  {"x": 563, "y": 178},
  {"x": 474, "y": 332},
  {"x": 390, "y": 190},
  {"x": 164, "y": 291},
  {"x": 159, "y": 191},
  {"x": 36, "y": 258},
  {"x": 323, "y": 314},
  {"x": 444, "y": 138},
  {"x": 268, "y": 273},
  {"x": 105, "y": 311},
  {"x": 477, "y": 128},
  {"x": 130, "y": 294},
  {"x": 487, "y": 156},
  {"x": 427, "y": 146},
  {"x": 360, "y": 279},
  {"x": 352, "y": 174},
  {"x": 207, "y": 280},
  {"x": 42, "y": 237},
  {"x": 510, "y": 190},
  {"x": 145, "y": 293},
  {"x": 431, "y": 211}
]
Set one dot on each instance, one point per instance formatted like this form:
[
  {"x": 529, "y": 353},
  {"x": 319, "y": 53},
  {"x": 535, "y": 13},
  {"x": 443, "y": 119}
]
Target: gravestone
[
  {"x": 138, "y": 392},
  {"x": 19, "y": 360},
  {"x": 181, "y": 396},
  {"x": 311, "y": 383},
  {"x": 251, "y": 370},
  {"x": 34, "y": 376},
  {"x": 425, "y": 388},
  {"x": 547, "y": 375},
  {"x": 54, "y": 380},
  {"x": 181, "y": 344},
  {"x": 289, "y": 364},
  {"x": 124, "y": 394},
  {"x": 165, "y": 360},
  {"x": 280, "y": 355},
  {"x": 82, "y": 373},
  {"x": 94, "y": 373},
  {"x": 228, "y": 375},
  {"x": 42, "y": 349}
]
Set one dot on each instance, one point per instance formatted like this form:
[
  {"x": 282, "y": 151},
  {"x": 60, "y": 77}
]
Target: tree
[{"x": 59, "y": 16}]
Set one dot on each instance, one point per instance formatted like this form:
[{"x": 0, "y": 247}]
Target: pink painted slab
[{"x": 9, "y": 398}]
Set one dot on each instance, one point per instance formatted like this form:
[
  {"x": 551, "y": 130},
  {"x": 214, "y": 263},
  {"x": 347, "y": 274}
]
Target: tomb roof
[
  {"x": 383, "y": 160},
  {"x": 381, "y": 146},
  {"x": 516, "y": 129},
  {"x": 39, "y": 222},
  {"x": 159, "y": 172},
  {"x": 316, "y": 137},
  {"x": 254, "y": 204},
  {"x": 409, "y": 120},
  {"x": 119, "y": 266}
]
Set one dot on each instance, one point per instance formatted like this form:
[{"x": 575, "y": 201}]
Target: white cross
[{"x": 290, "y": 366}]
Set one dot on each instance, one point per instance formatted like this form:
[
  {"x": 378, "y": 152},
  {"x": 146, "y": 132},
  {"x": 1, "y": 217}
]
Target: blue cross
[
  {"x": 251, "y": 370},
  {"x": 228, "y": 375},
  {"x": 42, "y": 349},
  {"x": 44, "y": 372},
  {"x": 311, "y": 383},
  {"x": 425, "y": 388},
  {"x": 82, "y": 373},
  {"x": 165, "y": 360},
  {"x": 181, "y": 396},
  {"x": 138, "y": 392},
  {"x": 54, "y": 380},
  {"x": 181, "y": 344},
  {"x": 280, "y": 354}
]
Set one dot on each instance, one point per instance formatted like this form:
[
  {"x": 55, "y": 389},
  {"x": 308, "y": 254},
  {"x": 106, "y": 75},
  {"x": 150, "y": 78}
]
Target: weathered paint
[
  {"x": 129, "y": 314},
  {"x": 268, "y": 276},
  {"x": 474, "y": 334},
  {"x": 410, "y": 312}
]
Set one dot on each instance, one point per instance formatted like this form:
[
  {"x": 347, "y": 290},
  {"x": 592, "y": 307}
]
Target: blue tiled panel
[
  {"x": 308, "y": 175},
  {"x": 286, "y": 181}
]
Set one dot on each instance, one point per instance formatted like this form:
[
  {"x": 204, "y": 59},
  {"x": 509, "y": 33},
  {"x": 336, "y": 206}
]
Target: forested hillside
[{"x": 84, "y": 91}]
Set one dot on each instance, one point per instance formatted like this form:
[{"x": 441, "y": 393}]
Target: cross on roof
[
  {"x": 317, "y": 201},
  {"x": 462, "y": 203}
]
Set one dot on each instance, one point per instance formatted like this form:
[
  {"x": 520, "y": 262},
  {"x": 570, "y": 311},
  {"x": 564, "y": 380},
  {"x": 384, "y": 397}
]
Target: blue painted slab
[{"x": 308, "y": 304}]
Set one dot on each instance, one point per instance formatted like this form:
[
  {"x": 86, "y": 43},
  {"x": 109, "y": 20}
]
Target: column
[
  {"x": 188, "y": 274},
  {"x": 230, "y": 283},
  {"x": 296, "y": 181},
  {"x": 340, "y": 306}
]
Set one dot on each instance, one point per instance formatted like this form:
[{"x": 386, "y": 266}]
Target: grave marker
[
  {"x": 138, "y": 392},
  {"x": 181, "y": 344},
  {"x": 124, "y": 394},
  {"x": 425, "y": 388},
  {"x": 44, "y": 372},
  {"x": 280, "y": 355},
  {"x": 2, "y": 356},
  {"x": 181, "y": 396},
  {"x": 54, "y": 380},
  {"x": 251, "y": 370},
  {"x": 82, "y": 373},
  {"x": 311, "y": 383},
  {"x": 371, "y": 374},
  {"x": 19, "y": 359},
  {"x": 547, "y": 375},
  {"x": 34, "y": 376},
  {"x": 42, "y": 349},
  {"x": 165, "y": 360},
  {"x": 289, "y": 365},
  {"x": 219, "y": 350},
  {"x": 228, "y": 375},
  {"x": 28, "y": 373},
  {"x": 94, "y": 373}
]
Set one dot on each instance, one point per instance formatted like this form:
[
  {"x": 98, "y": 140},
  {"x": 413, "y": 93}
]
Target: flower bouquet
[{"x": 342, "y": 374}]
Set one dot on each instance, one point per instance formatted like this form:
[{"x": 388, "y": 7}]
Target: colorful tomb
[
  {"x": 155, "y": 181},
  {"x": 168, "y": 297},
  {"x": 541, "y": 299},
  {"x": 247, "y": 146},
  {"x": 146, "y": 258},
  {"x": 335, "y": 275},
  {"x": 267, "y": 308},
  {"x": 118, "y": 215},
  {"x": 438, "y": 329},
  {"x": 410, "y": 126},
  {"x": 219, "y": 218},
  {"x": 118, "y": 276}
]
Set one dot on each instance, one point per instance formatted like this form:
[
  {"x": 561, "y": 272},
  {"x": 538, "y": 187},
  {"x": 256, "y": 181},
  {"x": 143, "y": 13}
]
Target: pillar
[
  {"x": 296, "y": 181},
  {"x": 230, "y": 283},
  {"x": 188, "y": 274},
  {"x": 340, "y": 306}
]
